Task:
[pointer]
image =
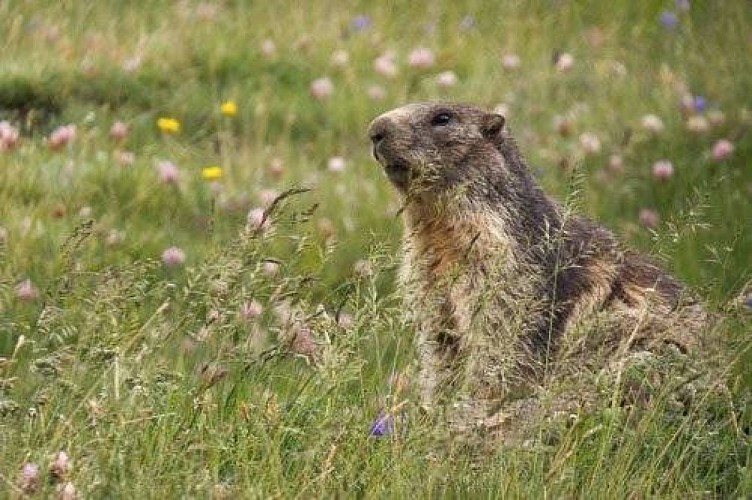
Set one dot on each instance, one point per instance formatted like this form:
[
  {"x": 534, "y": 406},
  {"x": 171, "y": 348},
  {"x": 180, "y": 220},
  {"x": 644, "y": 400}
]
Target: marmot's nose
[{"x": 378, "y": 130}]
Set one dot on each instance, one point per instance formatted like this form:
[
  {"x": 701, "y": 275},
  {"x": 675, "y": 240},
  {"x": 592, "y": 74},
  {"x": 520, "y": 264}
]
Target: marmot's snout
[
  {"x": 383, "y": 131},
  {"x": 377, "y": 132}
]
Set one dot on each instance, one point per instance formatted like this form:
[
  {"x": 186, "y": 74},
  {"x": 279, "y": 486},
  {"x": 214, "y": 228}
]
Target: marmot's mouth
[{"x": 399, "y": 173}]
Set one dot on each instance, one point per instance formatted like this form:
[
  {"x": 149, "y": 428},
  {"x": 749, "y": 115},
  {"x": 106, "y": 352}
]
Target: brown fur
[{"x": 506, "y": 288}]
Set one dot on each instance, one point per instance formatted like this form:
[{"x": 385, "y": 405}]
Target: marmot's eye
[{"x": 441, "y": 119}]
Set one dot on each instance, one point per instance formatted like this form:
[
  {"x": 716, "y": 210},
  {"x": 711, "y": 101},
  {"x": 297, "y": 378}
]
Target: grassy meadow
[{"x": 197, "y": 251}]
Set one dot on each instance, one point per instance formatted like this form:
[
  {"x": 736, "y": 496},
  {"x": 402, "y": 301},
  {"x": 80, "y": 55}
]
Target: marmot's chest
[{"x": 457, "y": 276}]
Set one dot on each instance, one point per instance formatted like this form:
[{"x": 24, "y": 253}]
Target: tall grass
[{"x": 166, "y": 380}]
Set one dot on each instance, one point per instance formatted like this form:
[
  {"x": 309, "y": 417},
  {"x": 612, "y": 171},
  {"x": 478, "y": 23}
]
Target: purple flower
[
  {"x": 682, "y": 5},
  {"x": 668, "y": 19},
  {"x": 663, "y": 169},
  {"x": 748, "y": 301},
  {"x": 360, "y": 22},
  {"x": 383, "y": 424},
  {"x": 173, "y": 256},
  {"x": 700, "y": 103},
  {"x": 649, "y": 218},
  {"x": 28, "y": 479},
  {"x": 722, "y": 149}
]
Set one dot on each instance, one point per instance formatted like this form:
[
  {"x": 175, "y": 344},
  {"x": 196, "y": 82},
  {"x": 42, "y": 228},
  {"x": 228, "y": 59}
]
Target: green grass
[{"x": 118, "y": 358}]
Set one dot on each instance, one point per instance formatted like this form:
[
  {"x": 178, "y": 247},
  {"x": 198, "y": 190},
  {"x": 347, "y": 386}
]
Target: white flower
[{"x": 652, "y": 123}]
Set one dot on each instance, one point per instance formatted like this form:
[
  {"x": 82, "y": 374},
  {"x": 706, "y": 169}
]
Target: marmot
[{"x": 506, "y": 288}]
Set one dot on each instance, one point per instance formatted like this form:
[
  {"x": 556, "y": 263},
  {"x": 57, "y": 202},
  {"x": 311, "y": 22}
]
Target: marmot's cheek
[{"x": 399, "y": 174}]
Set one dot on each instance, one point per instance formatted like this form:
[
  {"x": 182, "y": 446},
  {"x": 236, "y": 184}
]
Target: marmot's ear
[{"x": 492, "y": 126}]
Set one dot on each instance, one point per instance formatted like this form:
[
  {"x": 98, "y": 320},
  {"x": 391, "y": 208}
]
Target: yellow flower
[
  {"x": 229, "y": 108},
  {"x": 168, "y": 125},
  {"x": 211, "y": 173}
]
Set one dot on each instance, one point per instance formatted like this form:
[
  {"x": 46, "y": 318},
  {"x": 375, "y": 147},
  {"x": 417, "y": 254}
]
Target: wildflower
[
  {"x": 384, "y": 64},
  {"x": 8, "y": 135},
  {"x": 564, "y": 61},
  {"x": 167, "y": 172},
  {"x": 376, "y": 92},
  {"x": 382, "y": 425},
  {"x": 302, "y": 339},
  {"x": 697, "y": 124},
  {"x": 131, "y": 64},
  {"x": 60, "y": 465},
  {"x": 360, "y": 22},
  {"x": 51, "y": 33},
  {"x": 617, "y": 69},
  {"x": 687, "y": 103},
  {"x": 682, "y": 5},
  {"x": 66, "y": 491},
  {"x": 722, "y": 149},
  {"x": 340, "y": 58},
  {"x": 321, "y": 88},
  {"x": 510, "y": 62},
  {"x": 652, "y": 123},
  {"x": 270, "y": 268},
  {"x": 668, "y": 19},
  {"x": 590, "y": 143},
  {"x": 649, "y": 218},
  {"x": 276, "y": 167},
  {"x": 267, "y": 197},
  {"x": 362, "y": 268},
  {"x": 168, "y": 125},
  {"x": 421, "y": 58},
  {"x": 345, "y": 320},
  {"x": 663, "y": 169},
  {"x": 118, "y": 131},
  {"x": 268, "y": 48},
  {"x": 125, "y": 158},
  {"x": 700, "y": 103},
  {"x": 26, "y": 291},
  {"x": 446, "y": 79},
  {"x": 211, "y": 173},
  {"x": 114, "y": 238},
  {"x": 228, "y": 108},
  {"x": 28, "y": 479},
  {"x": 257, "y": 219},
  {"x": 173, "y": 256},
  {"x": 62, "y": 136},
  {"x": 326, "y": 228},
  {"x": 251, "y": 310},
  {"x": 336, "y": 164},
  {"x": 748, "y": 301},
  {"x": 387, "y": 422}
]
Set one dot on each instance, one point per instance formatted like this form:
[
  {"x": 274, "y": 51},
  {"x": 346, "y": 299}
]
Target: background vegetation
[{"x": 166, "y": 330}]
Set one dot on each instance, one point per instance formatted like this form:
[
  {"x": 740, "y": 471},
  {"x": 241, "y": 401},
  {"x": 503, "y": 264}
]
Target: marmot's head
[{"x": 432, "y": 147}]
